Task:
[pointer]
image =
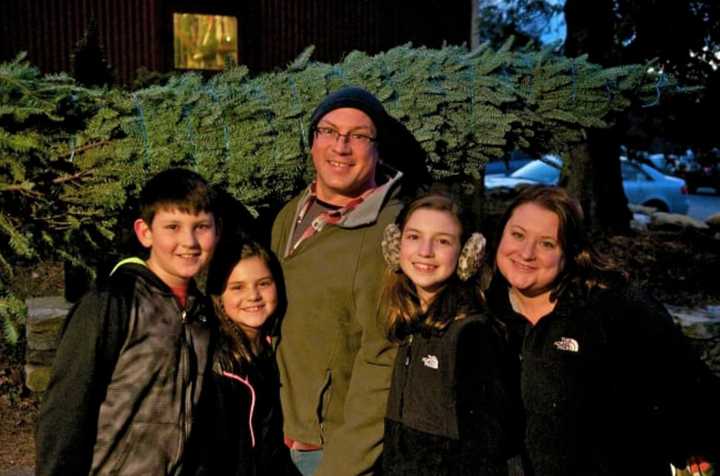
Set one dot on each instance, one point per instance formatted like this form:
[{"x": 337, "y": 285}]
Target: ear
[{"x": 143, "y": 232}]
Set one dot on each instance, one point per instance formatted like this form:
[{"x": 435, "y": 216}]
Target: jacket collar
[
  {"x": 136, "y": 267},
  {"x": 499, "y": 301},
  {"x": 368, "y": 211}
]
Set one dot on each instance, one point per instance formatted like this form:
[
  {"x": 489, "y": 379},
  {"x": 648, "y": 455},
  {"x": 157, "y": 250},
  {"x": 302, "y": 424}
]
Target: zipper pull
[
  {"x": 407, "y": 352},
  {"x": 183, "y": 315}
]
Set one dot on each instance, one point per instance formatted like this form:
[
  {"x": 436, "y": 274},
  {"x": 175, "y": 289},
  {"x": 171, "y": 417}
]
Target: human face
[
  {"x": 429, "y": 250},
  {"x": 344, "y": 171},
  {"x": 250, "y": 295},
  {"x": 180, "y": 243},
  {"x": 530, "y": 256}
]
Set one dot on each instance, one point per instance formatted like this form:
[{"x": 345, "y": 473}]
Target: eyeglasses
[{"x": 353, "y": 138}]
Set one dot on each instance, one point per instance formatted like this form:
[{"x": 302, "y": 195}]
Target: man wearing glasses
[{"x": 334, "y": 360}]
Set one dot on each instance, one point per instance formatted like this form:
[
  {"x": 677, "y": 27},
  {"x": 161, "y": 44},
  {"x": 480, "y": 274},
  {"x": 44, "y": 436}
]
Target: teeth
[
  {"x": 523, "y": 266},
  {"x": 338, "y": 164},
  {"x": 254, "y": 308},
  {"x": 424, "y": 267}
]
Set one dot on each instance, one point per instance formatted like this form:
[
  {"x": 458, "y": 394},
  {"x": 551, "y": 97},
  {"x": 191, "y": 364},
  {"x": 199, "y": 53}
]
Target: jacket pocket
[
  {"x": 149, "y": 448},
  {"x": 323, "y": 399}
]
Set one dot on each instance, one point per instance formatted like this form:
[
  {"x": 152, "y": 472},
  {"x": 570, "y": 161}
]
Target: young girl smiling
[
  {"x": 449, "y": 408},
  {"x": 246, "y": 436}
]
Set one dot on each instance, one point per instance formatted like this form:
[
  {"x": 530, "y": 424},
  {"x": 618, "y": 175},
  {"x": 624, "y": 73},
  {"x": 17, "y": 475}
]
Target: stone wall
[
  {"x": 702, "y": 327},
  {"x": 46, "y": 316}
]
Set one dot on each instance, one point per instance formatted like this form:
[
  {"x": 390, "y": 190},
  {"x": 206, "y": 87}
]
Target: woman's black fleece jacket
[{"x": 609, "y": 386}]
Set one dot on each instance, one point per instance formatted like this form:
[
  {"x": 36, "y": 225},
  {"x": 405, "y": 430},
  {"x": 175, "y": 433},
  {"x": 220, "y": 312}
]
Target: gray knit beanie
[{"x": 352, "y": 97}]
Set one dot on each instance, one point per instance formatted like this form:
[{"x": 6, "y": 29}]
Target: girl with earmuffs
[{"x": 451, "y": 407}]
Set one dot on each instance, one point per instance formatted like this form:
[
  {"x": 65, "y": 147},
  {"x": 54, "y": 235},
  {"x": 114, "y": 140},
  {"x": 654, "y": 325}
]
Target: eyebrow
[
  {"x": 436, "y": 234},
  {"x": 268, "y": 276},
  {"x": 325, "y": 122},
  {"x": 546, "y": 237}
]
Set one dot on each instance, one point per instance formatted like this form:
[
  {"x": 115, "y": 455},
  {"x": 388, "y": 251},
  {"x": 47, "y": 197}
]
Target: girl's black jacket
[
  {"x": 609, "y": 386},
  {"x": 244, "y": 436},
  {"x": 449, "y": 410}
]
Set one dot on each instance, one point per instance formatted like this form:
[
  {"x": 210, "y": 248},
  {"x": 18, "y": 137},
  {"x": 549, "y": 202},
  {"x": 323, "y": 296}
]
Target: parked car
[
  {"x": 643, "y": 184},
  {"x": 703, "y": 172},
  {"x": 507, "y": 165},
  {"x": 665, "y": 164}
]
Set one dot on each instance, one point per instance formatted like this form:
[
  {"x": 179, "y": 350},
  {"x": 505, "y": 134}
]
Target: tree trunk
[
  {"x": 610, "y": 210},
  {"x": 578, "y": 181},
  {"x": 474, "y": 33},
  {"x": 594, "y": 170}
]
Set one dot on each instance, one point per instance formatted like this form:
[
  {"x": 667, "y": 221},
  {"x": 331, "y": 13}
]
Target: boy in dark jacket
[{"x": 128, "y": 373}]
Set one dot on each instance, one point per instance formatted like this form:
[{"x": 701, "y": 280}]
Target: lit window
[{"x": 204, "y": 41}]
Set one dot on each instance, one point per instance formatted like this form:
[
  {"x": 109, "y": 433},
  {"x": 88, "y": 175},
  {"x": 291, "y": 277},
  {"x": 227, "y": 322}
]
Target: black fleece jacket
[
  {"x": 609, "y": 386},
  {"x": 244, "y": 436},
  {"x": 449, "y": 410}
]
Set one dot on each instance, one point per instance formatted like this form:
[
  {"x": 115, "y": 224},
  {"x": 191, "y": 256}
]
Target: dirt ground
[
  {"x": 18, "y": 412},
  {"x": 677, "y": 267},
  {"x": 18, "y": 406}
]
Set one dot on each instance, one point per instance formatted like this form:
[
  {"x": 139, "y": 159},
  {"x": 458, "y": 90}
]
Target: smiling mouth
[
  {"x": 523, "y": 267},
  {"x": 254, "y": 308},
  {"x": 339, "y": 165},
  {"x": 424, "y": 267}
]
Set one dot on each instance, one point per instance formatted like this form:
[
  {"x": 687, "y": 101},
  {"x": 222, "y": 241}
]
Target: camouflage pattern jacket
[{"x": 126, "y": 381}]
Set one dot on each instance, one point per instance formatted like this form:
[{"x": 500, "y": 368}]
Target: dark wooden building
[{"x": 166, "y": 35}]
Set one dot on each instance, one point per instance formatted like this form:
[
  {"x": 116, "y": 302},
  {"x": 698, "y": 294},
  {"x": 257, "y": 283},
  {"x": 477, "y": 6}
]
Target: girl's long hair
[
  {"x": 229, "y": 252},
  {"x": 455, "y": 299},
  {"x": 585, "y": 268}
]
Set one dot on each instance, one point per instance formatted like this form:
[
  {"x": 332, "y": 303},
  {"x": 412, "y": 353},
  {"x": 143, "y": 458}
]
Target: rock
[
  {"x": 702, "y": 327},
  {"x": 707, "y": 318},
  {"x": 641, "y": 210},
  {"x": 37, "y": 377},
  {"x": 640, "y": 221},
  {"x": 46, "y": 317},
  {"x": 43, "y": 334},
  {"x": 39, "y": 357},
  {"x": 713, "y": 221},
  {"x": 48, "y": 306},
  {"x": 671, "y": 221}
]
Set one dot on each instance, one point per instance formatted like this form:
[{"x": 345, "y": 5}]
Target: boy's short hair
[{"x": 180, "y": 189}]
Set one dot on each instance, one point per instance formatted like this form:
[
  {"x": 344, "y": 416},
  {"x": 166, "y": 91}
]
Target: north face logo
[
  {"x": 430, "y": 361},
  {"x": 568, "y": 344}
]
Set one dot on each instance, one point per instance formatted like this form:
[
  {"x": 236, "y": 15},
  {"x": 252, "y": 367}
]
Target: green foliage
[
  {"x": 12, "y": 316},
  {"x": 72, "y": 158}
]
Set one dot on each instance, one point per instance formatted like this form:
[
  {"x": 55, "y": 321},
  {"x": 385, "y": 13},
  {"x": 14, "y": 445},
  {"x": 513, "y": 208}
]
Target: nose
[
  {"x": 189, "y": 239},
  {"x": 254, "y": 294},
  {"x": 426, "y": 248},
  {"x": 342, "y": 144},
  {"x": 527, "y": 250}
]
